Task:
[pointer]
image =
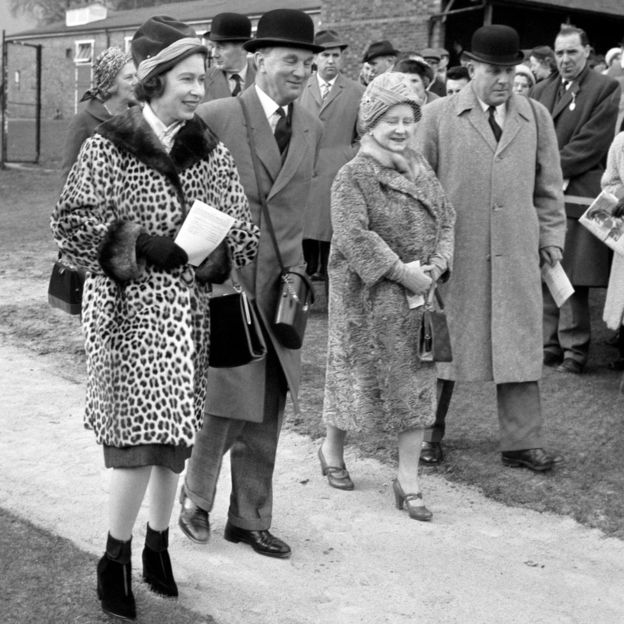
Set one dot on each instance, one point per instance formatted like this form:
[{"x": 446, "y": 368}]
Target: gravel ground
[{"x": 356, "y": 559}]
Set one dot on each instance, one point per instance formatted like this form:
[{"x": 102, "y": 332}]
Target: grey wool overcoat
[
  {"x": 239, "y": 392},
  {"x": 338, "y": 114},
  {"x": 509, "y": 204}
]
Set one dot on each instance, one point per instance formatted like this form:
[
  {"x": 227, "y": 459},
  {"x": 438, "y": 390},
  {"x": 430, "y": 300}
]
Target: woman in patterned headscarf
[
  {"x": 112, "y": 92},
  {"x": 393, "y": 236}
]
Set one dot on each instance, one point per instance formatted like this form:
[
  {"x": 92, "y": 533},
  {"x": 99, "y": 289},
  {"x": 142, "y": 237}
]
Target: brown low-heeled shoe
[
  {"x": 412, "y": 503},
  {"x": 337, "y": 477}
]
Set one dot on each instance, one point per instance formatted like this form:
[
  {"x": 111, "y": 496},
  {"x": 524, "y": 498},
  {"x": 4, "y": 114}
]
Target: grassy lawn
[{"x": 584, "y": 415}]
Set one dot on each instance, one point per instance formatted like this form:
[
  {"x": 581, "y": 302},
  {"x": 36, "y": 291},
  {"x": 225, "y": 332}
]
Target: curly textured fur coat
[
  {"x": 374, "y": 379},
  {"x": 146, "y": 330}
]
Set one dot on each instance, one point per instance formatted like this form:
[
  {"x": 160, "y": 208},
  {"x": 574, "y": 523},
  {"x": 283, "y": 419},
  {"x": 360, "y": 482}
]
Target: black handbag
[
  {"x": 434, "y": 341},
  {"x": 296, "y": 294},
  {"x": 235, "y": 332},
  {"x": 65, "y": 288}
]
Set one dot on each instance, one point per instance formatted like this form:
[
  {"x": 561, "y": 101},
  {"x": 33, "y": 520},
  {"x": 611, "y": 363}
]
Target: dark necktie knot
[
  {"x": 496, "y": 129},
  {"x": 283, "y": 130},
  {"x": 237, "y": 84}
]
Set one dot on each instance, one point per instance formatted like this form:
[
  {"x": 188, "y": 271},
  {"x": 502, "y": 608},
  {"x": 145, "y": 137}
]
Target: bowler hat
[
  {"x": 379, "y": 48},
  {"x": 495, "y": 44},
  {"x": 229, "y": 27},
  {"x": 329, "y": 39},
  {"x": 286, "y": 28},
  {"x": 431, "y": 53},
  {"x": 155, "y": 35}
]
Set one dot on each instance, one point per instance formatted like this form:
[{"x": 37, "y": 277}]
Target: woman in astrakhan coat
[
  {"x": 393, "y": 237},
  {"x": 145, "y": 309}
]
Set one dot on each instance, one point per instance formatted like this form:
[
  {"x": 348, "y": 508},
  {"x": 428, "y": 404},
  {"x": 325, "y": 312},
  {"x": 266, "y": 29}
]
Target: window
[{"x": 84, "y": 52}]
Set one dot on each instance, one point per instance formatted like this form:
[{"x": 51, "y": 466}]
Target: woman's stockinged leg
[
  {"x": 162, "y": 491},
  {"x": 127, "y": 490},
  {"x": 333, "y": 446},
  {"x": 410, "y": 443}
]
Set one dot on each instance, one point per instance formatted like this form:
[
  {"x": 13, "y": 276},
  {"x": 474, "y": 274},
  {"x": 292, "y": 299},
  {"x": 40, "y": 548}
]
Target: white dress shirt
[{"x": 270, "y": 106}]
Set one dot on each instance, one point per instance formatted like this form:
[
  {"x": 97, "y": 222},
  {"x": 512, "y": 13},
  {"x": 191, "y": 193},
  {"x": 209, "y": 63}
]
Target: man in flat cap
[
  {"x": 232, "y": 72},
  {"x": 245, "y": 404},
  {"x": 381, "y": 57},
  {"x": 334, "y": 99}
]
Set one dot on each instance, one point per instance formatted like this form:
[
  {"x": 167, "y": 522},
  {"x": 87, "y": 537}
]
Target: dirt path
[{"x": 356, "y": 558}]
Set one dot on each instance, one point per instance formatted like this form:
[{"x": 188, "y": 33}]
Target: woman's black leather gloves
[{"x": 160, "y": 251}]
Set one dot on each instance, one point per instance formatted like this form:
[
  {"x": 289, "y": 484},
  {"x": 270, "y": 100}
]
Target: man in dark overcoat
[
  {"x": 245, "y": 405},
  {"x": 584, "y": 108},
  {"x": 495, "y": 154},
  {"x": 334, "y": 99},
  {"x": 231, "y": 71}
]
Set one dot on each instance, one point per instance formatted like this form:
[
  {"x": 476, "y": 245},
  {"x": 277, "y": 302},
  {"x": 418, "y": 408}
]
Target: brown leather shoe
[
  {"x": 570, "y": 366},
  {"x": 536, "y": 459},
  {"x": 337, "y": 476},
  {"x": 193, "y": 520},
  {"x": 431, "y": 453}
]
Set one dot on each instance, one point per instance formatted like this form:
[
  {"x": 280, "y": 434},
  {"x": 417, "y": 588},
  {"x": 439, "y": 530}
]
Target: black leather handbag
[
  {"x": 65, "y": 288},
  {"x": 235, "y": 332},
  {"x": 434, "y": 341}
]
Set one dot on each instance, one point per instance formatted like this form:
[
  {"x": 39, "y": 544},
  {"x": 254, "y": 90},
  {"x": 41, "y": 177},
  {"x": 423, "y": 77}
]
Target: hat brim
[
  {"x": 336, "y": 44},
  {"x": 254, "y": 44},
  {"x": 496, "y": 60},
  {"x": 223, "y": 38}
]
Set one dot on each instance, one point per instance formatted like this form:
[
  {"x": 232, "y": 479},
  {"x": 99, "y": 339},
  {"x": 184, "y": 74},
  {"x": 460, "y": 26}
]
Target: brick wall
[{"x": 360, "y": 22}]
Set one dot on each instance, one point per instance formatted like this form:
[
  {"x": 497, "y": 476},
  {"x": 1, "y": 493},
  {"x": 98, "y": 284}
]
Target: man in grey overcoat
[
  {"x": 334, "y": 99},
  {"x": 245, "y": 405},
  {"x": 584, "y": 107},
  {"x": 496, "y": 156},
  {"x": 231, "y": 72}
]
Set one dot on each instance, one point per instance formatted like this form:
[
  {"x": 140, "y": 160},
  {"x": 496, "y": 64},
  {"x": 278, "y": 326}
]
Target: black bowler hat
[
  {"x": 379, "y": 48},
  {"x": 285, "y": 28},
  {"x": 329, "y": 39},
  {"x": 496, "y": 45},
  {"x": 232, "y": 27}
]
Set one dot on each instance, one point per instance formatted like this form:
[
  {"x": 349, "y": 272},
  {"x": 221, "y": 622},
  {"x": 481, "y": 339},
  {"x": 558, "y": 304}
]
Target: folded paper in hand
[
  {"x": 599, "y": 220},
  {"x": 202, "y": 231},
  {"x": 558, "y": 283}
]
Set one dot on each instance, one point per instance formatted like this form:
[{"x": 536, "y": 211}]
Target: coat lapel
[
  {"x": 467, "y": 101},
  {"x": 565, "y": 100},
  {"x": 334, "y": 92},
  {"x": 266, "y": 146},
  {"x": 314, "y": 91},
  {"x": 512, "y": 123},
  {"x": 296, "y": 150}
]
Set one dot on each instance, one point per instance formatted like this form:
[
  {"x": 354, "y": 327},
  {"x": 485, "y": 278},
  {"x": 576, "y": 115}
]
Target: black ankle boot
[
  {"x": 157, "y": 571},
  {"x": 114, "y": 580}
]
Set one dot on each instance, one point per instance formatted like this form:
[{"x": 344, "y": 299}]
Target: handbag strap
[
  {"x": 261, "y": 195},
  {"x": 433, "y": 291}
]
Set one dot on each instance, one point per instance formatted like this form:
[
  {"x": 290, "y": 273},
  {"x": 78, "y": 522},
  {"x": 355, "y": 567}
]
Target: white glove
[{"x": 411, "y": 276}]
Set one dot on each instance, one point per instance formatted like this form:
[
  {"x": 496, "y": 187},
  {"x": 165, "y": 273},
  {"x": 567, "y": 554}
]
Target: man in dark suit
[
  {"x": 245, "y": 405},
  {"x": 334, "y": 99},
  {"x": 232, "y": 72},
  {"x": 584, "y": 108}
]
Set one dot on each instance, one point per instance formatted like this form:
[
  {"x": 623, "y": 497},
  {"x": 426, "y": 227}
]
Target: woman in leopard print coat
[{"x": 145, "y": 309}]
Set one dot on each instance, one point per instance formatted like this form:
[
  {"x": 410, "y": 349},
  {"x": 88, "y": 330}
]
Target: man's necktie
[
  {"x": 325, "y": 88},
  {"x": 496, "y": 129},
  {"x": 283, "y": 130},
  {"x": 237, "y": 87}
]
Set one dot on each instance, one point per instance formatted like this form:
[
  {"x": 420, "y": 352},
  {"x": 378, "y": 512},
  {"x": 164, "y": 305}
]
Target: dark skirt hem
[{"x": 166, "y": 455}]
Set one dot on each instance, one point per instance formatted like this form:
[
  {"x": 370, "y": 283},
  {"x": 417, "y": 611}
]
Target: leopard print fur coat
[{"x": 146, "y": 330}]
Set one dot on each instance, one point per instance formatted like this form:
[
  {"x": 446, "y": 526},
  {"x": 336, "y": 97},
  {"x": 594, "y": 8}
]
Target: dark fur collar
[{"x": 130, "y": 132}]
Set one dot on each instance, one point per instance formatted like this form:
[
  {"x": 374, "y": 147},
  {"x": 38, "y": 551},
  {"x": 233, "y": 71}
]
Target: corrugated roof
[
  {"x": 196, "y": 11},
  {"x": 611, "y": 7}
]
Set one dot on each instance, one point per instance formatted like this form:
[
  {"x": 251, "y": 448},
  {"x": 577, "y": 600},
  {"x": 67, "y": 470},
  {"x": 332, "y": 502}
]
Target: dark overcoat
[
  {"x": 508, "y": 202},
  {"x": 338, "y": 114},
  {"x": 584, "y": 117},
  {"x": 239, "y": 392}
]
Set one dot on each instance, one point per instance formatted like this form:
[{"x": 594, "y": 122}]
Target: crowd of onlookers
[{"x": 417, "y": 183}]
